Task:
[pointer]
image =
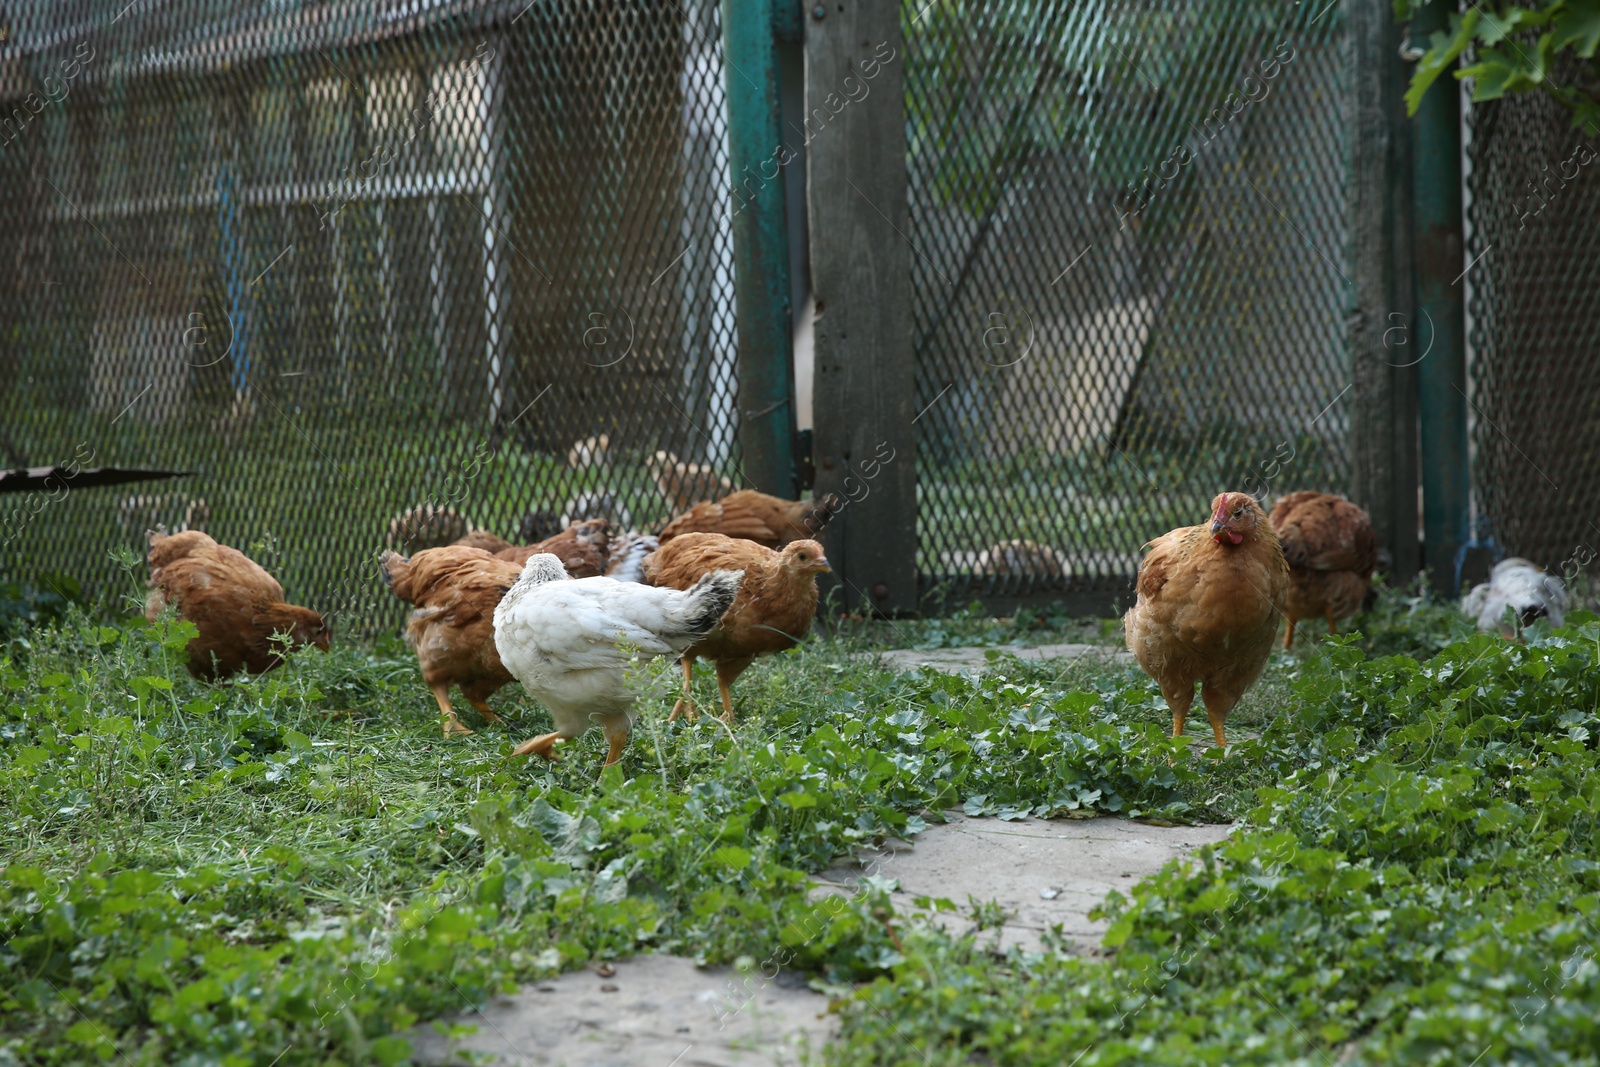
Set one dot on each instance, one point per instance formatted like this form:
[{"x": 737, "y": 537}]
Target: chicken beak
[
  {"x": 1217, "y": 526},
  {"x": 821, "y": 564}
]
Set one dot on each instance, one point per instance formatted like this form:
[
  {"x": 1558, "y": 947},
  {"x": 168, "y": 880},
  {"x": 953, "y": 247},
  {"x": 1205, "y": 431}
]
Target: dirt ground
[{"x": 662, "y": 1010}]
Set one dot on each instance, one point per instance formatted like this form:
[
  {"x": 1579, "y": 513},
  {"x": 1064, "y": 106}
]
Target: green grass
[{"x": 297, "y": 868}]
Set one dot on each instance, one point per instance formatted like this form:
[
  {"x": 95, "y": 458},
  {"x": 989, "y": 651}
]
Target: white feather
[
  {"x": 568, "y": 641},
  {"x": 1519, "y": 586}
]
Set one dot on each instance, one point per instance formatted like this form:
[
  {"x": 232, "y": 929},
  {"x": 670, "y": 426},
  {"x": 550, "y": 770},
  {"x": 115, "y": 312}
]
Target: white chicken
[
  {"x": 568, "y": 641},
  {"x": 1520, "y": 587}
]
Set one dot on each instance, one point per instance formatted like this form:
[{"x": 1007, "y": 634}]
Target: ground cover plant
[{"x": 296, "y": 869}]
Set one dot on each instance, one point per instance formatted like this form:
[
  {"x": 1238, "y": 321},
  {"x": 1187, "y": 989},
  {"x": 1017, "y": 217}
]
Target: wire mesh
[
  {"x": 1533, "y": 245},
  {"x": 1129, "y": 222},
  {"x": 343, "y": 259}
]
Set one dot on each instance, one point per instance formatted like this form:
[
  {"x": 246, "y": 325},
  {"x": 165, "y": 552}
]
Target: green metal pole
[
  {"x": 1442, "y": 375},
  {"x": 756, "y": 156}
]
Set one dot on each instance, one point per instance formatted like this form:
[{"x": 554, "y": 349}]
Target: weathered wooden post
[
  {"x": 1385, "y": 342},
  {"x": 865, "y": 382}
]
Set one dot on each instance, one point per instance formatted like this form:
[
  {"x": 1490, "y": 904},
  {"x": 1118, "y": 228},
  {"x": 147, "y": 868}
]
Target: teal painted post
[
  {"x": 760, "y": 248},
  {"x": 1442, "y": 376}
]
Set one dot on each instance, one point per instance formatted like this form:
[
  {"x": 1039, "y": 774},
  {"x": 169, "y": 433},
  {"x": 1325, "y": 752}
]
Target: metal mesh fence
[
  {"x": 1129, "y": 223},
  {"x": 344, "y": 258},
  {"x": 1533, "y": 250}
]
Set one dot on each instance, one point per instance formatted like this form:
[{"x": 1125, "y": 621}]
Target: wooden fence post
[
  {"x": 1384, "y": 340},
  {"x": 865, "y": 381}
]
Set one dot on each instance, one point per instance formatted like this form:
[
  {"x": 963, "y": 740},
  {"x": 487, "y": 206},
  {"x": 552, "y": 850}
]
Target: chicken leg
[
  {"x": 483, "y": 709},
  {"x": 1219, "y": 701},
  {"x": 617, "y": 734},
  {"x": 1288, "y": 638},
  {"x": 685, "y": 702},
  {"x": 452, "y": 725},
  {"x": 727, "y": 671},
  {"x": 1179, "y": 700}
]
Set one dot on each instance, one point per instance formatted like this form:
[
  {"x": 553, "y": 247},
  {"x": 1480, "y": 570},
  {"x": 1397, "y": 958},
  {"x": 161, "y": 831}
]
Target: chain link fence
[
  {"x": 1130, "y": 226},
  {"x": 1533, "y": 306},
  {"x": 342, "y": 259}
]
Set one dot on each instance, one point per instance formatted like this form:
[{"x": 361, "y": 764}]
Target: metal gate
[{"x": 1130, "y": 224}]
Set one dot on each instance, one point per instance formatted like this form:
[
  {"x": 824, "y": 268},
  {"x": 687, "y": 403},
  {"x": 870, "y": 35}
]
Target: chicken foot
[
  {"x": 543, "y": 745},
  {"x": 452, "y": 725}
]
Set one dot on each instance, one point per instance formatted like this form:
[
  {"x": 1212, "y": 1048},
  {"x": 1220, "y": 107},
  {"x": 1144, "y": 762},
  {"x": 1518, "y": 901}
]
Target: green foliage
[
  {"x": 297, "y": 867},
  {"x": 1514, "y": 50},
  {"x": 1420, "y": 887}
]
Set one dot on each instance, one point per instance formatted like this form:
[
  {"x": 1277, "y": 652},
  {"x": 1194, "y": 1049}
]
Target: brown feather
[
  {"x": 777, "y": 599},
  {"x": 454, "y": 591},
  {"x": 766, "y": 520},
  {"x": 1331, "y": 549},
  {"x": 583, "y": 548},
  {"x": 1208, "y": 611},
  {"x": 235, "y": 604}
]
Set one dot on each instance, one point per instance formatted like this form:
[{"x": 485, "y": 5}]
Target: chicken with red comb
[{"x": 1210, "y": 598}]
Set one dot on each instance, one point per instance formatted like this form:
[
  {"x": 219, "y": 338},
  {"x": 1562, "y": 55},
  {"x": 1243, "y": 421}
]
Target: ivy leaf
[
  {"x": 1443, "y": 51},
  {"x": 1577, "y": 25}
]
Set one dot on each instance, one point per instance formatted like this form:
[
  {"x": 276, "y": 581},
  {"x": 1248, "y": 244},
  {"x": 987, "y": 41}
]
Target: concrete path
[
  {"x": 1041, "y": 872},
  {"x": 652, "y": 1011},
  {"x": 664, "y": 1011},
  {"x": 973, "y": 659}
]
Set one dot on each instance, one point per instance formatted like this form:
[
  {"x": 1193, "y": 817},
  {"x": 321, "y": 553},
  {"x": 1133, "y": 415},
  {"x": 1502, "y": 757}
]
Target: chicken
[
  {"x": 1521, "y": 588},
  {"x": 426, "y": 526},
  {"x": 237, "y": 606},
  {"x": 454, "y": 591},
  {"x": 683, "y": 484},
  {"x": 1024, "y": 558},
  {"x": 626, "y": 555},
  {"x": 137, "y": 515},
  {"x": 596, "y": 504},
  {"x": 581, "y": 548},
  {"x": 590, "y": 452},
  {"x": 1331, "y": 549},
  {"x": 777, "y": 601},
  {"x": 539, "y": 524},
  {"x": 483, "y": 539},
  {"x": 1209, "y": 600},
  {"x": 766, "y": 520},
  {"x": 569, "y": 642}
]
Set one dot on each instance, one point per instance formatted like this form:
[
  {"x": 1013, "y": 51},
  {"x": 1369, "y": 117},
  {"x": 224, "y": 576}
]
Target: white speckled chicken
[{"x": 1517, "y": 593}]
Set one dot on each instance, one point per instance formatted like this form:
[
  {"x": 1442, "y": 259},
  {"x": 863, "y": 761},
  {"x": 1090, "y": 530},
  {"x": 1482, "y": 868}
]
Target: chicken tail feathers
[{"x": 706, "y": 601}]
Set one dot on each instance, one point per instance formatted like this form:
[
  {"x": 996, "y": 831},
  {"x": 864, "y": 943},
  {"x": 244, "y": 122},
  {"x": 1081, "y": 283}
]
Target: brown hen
[
  {"x": 685, "y": 483},
  {"x": 766, "y": 520},
  {"x": 236, "y": 605},
  {"x": 583, "y": 548},
  {"x": 483, "y": 539},
  {"x": 777, "y": 601},
  {"x": 1209, "y": 600},
  {"x": 1331, "y": 550},
  {"x": 454, "y": 591}
]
